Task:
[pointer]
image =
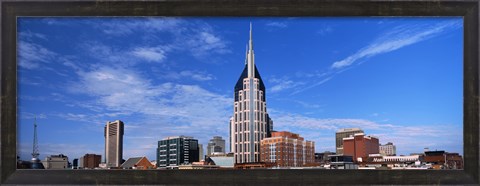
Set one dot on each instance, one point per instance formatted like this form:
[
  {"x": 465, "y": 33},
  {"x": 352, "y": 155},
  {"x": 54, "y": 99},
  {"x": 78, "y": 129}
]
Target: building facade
[
  {"x": 286, "y": 149},
  {"x": 388, "y": 149},
  {"x": 343, "y": 133},
  {"x": 250, "y": 122},
  {"x": 443, "y": 160},
  {"x": 178, "y": 150},
  {"x": 201, "y": 156},
  {"x": 322, "y": 157},
  {"x": 113, "y": 132},
  {"x": 216, "y": 144},
  {"x": 91, "y": 161},
  {"x": 360, "y": 146},
  {"x": 56, "y": 162}
]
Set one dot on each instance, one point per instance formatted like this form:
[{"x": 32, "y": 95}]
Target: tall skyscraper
[
  {"x": 250, "y": 122},
  {"x": 343, "y": 133},
  {"x": 113, "y": 133},
  {"x": 216, "y": 144},
  {"x": 177, "y": 150}
]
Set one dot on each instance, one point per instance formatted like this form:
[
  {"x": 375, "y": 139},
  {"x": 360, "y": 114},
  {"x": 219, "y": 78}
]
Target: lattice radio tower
[{"x": 35, "y": 140}]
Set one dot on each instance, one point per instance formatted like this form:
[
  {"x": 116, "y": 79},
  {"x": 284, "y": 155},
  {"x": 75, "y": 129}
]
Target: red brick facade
[
  {"x": 360, "y": 146},
  {"x": 91, "y": 161},
  {"x": 287, "y": 149}
]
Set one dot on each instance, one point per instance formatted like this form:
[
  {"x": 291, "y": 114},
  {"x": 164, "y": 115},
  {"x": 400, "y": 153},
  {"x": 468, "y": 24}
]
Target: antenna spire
[
  {"x": 251, "y": 40},
  {"x": 35, "y": 140},
  {"x": 250, "y": 56},
  {"x": 246, "y": 54}
]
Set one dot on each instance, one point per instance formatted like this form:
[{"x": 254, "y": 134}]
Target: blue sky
[{"x": 399, "y": 79}]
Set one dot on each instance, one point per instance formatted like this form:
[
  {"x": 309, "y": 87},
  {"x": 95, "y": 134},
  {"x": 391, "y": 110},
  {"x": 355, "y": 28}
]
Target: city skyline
[{"x": 167, "y": 69}]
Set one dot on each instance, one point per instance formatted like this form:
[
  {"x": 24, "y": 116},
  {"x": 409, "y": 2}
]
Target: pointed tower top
[
  {"x": 251, "y": 40},
  {"x": 246, "y": 53}
]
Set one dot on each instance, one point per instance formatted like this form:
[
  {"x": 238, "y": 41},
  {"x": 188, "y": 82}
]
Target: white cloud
[
  {"x": 277, "y": 24},
  {"x": 154, "y": 54},
  {"x": 325, "y": 30},
  {"x": 203, "y": 43},
  {"x": 28, "y": 115},
  {"x": 195, "y": 75},
  {"x": 283, "y": 83},
  {"x": 397, "y": 38},
  {"x": 125, "y": 26},
  {"x": 31, "y": 55},
  {"x": 29, "y": 35}
]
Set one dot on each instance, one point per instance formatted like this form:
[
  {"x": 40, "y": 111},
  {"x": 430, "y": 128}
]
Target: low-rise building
[
  {"x": 443, "y": 160},
  {"x": 56, "y": 162},
  {"x": 322, "y": 158},
  {"x": 141, "y": 163},
  {"x": 360, "y": 146},
  {"x": 178, "y": 150},
  {"x": 90, "y": 161},
  {"x": 286, "y": 149},
  {"x": 388, "y": 149},
  {"x": 341, "y": 162}
]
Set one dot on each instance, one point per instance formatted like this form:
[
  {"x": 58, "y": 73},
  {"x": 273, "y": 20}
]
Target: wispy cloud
[
  {"x": 277, "y": 24},
  {"x": 153, "y": 54},
  {"x": 28, "y": 115},
  {"x": 195, "y": 75},
  {"x": 395, "y": 39},
  {"x": 31, "y": 55},
  {"x": 199, "y": 38},
  {"x": 283, "y": 83},
  {"x": 126, "y": 26},
  {"x": 325, "y": 30}
]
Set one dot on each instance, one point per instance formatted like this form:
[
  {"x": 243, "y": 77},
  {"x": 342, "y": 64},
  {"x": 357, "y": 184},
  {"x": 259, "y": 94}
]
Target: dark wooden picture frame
[{"x": 10, "y": 10}]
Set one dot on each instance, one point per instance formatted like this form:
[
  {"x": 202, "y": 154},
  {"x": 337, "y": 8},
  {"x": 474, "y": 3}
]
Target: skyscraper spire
[
  {"x": 251, "y": 56},
  {"x": 251, "y": 40},
  {"x": 246, "y": 54}
]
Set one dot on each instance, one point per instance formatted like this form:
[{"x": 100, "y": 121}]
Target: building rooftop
[
  {"x": 175, "y": 137},
  {"x": 348, "y": 130},
  {"x": 224, "y": 161},
  {"x": 131, "y": 162}
]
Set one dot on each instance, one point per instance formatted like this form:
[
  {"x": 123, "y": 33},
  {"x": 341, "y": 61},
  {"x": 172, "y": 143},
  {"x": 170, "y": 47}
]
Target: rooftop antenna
[
  {"x": 35, "y": 140},
  {"x": 36, "y": 164}
]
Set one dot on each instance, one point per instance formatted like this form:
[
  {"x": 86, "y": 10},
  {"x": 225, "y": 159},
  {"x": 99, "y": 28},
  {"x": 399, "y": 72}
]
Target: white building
[
  {"x": 388, "y": 149},
  {"x": 250, "y": 122},
  {"x": 200, "y": 152},
  {"x": 113, "y": 143},
  {"x": 216, "y": 144},
  {"x": 56, "y": 162}
]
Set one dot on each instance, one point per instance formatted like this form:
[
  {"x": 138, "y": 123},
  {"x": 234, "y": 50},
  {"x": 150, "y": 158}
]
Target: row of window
[
  {"x": 246, "y": 83},
  {"x": 241, "y": 137},
  {"x": 244, "y": 105},
  {"x": 246, "y": 127},
  {"x": 246, "y": 147},
  {"x": 259, "y": 116}
]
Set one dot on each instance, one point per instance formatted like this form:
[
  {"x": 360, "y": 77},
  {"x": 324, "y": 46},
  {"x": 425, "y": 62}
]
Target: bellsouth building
[{"x": 250, "y": 122}]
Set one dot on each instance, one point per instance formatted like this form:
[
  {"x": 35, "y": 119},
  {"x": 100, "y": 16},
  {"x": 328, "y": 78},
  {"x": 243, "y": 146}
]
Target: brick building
[
  {"x": 443, "y": 160},
  {"x": 90, "y": 161},
  {"x": 360, "y": 146},
  {"x": 287, "y": 149}
]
